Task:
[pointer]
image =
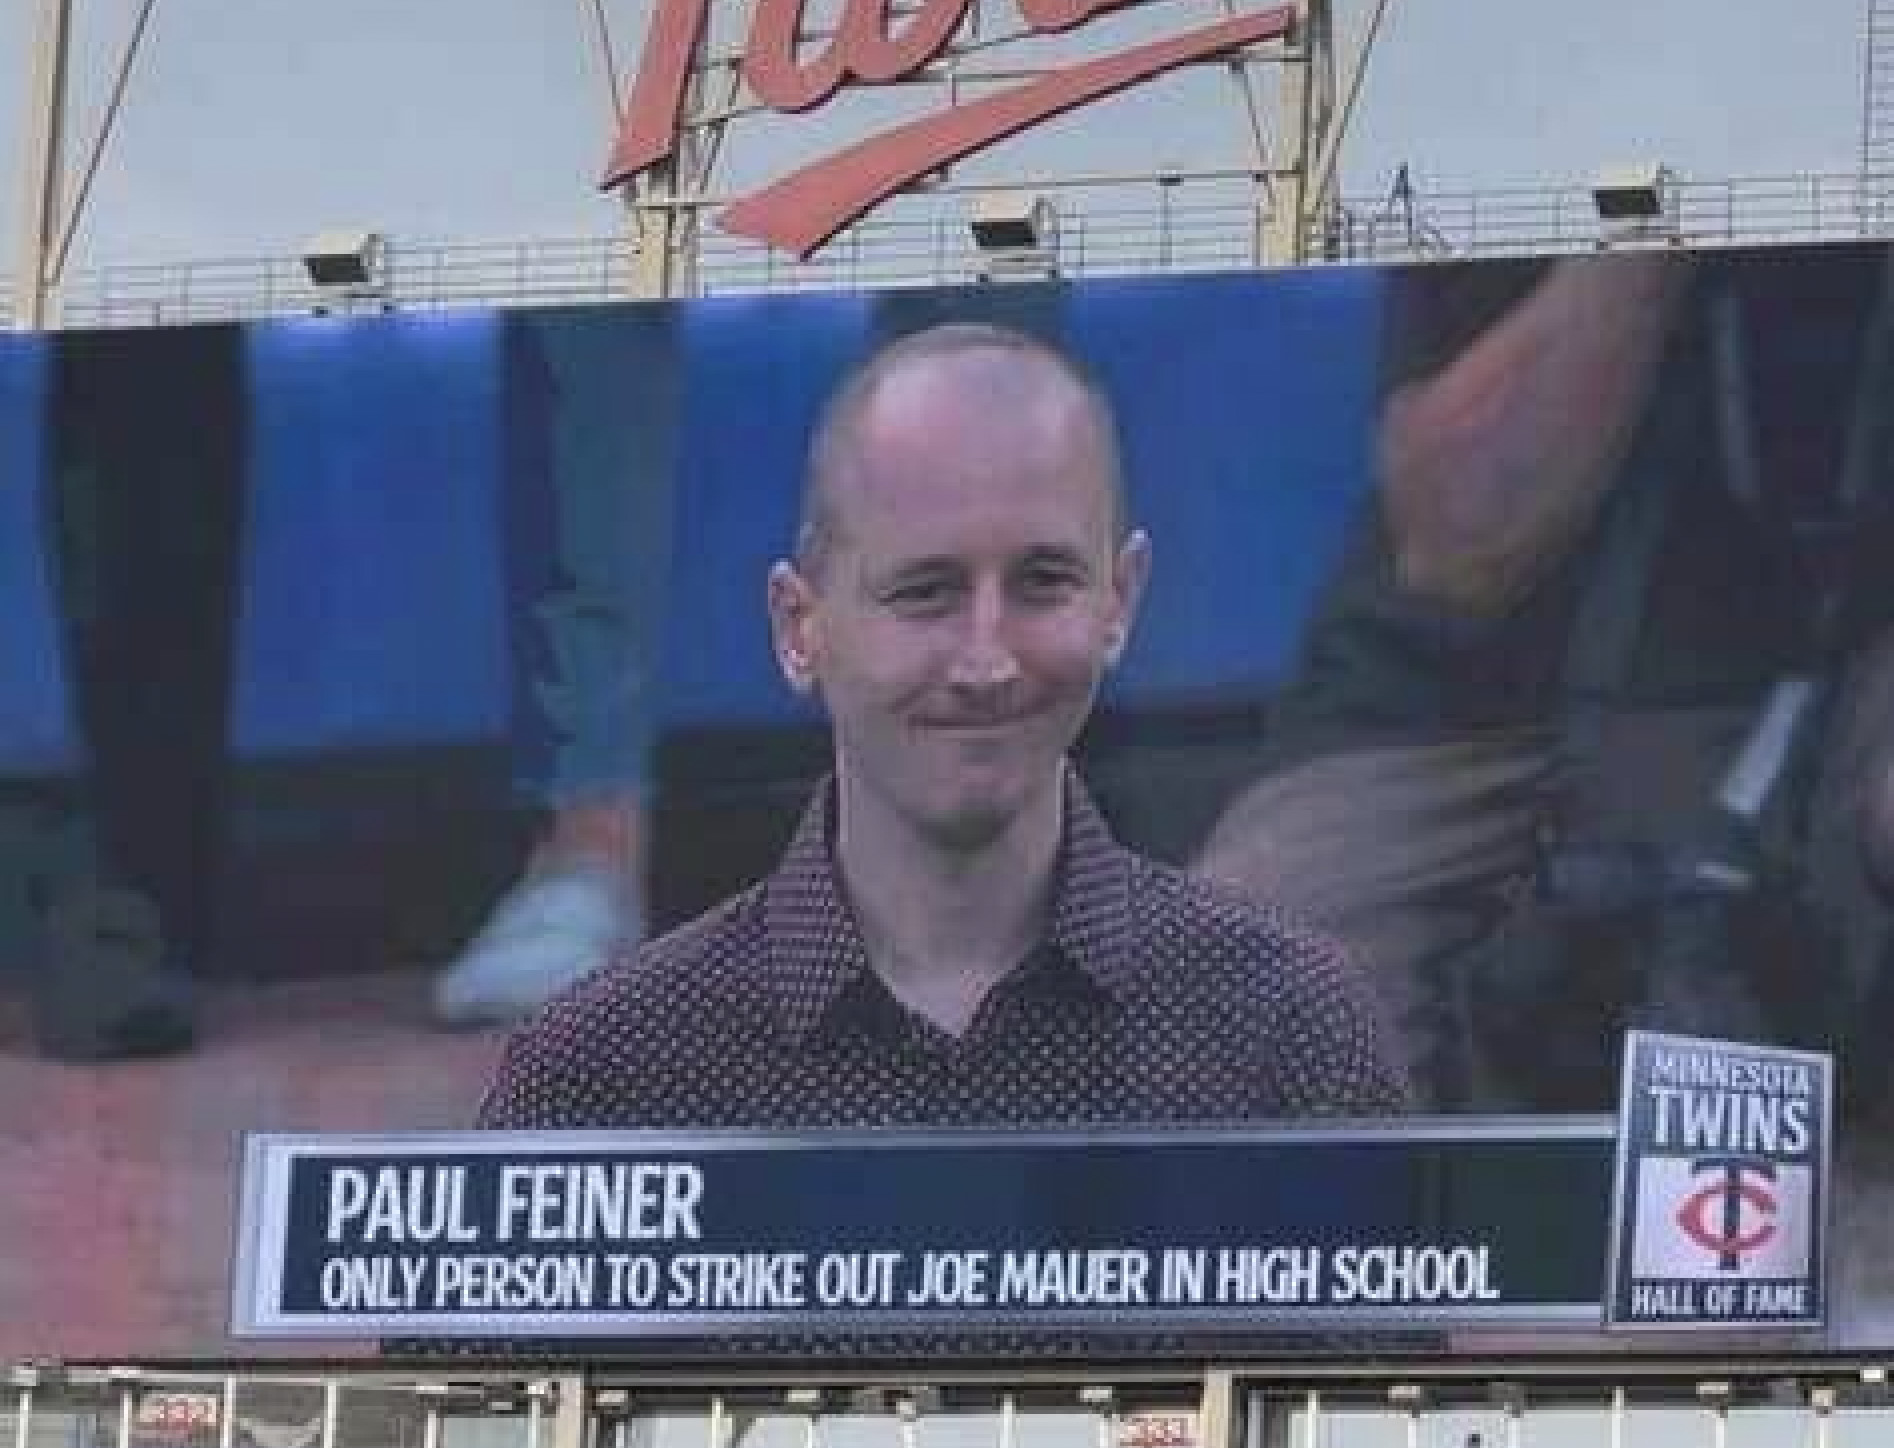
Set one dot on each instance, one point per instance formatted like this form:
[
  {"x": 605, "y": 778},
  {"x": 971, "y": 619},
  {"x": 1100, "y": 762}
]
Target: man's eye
[
  {"x": 920, "y": 596},
  {"x": 1049, "y": 582}
]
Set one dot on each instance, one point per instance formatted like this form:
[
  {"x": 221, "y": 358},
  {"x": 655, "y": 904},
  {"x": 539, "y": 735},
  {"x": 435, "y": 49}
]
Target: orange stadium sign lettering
[{"x": 800, "y": 211}]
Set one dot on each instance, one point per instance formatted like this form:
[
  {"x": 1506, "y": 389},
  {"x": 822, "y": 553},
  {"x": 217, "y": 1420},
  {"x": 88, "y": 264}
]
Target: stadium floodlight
[
  {"x": 1636, "y": 201},
  {"x": 345, "y": 260},
  {"x": 1016, "y": 233},
  {"x": 1012, "y": 221},
  {"x": 1638, "y": 191}
]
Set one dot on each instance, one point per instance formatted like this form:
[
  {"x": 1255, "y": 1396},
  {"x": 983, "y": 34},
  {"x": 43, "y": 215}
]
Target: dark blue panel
[
  {"x": 1244, "y": 402},
  {"x": 374, "y": 586},
  {"x": 861, "y": 1225},
  {"x": 35, "y": 735},
  {"x": 757, "y": 372}
]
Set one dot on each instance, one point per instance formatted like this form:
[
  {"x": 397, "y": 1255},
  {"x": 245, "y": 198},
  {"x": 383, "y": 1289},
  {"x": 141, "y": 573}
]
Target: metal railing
[
  {"x": 1144, "y": 227},
  {"x": 131, "y": 1407},
  {"x": 541, "y": 272},
  {"x": 927, "y": 246},
  {"x": 1877, "y": 90},
  {"x": 1525, "y": 221},
  {"x": 1637, "y": 1405}
]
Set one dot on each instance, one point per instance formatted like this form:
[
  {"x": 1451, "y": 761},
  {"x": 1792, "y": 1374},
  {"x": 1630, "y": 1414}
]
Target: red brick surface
[{"x": 118, "y": 1181}]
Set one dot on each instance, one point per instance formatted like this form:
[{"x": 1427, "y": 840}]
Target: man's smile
[{"x": 977, "y": 725}]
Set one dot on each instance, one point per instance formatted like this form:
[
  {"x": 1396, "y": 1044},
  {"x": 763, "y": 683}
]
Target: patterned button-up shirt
[{"x": 1154, "y": 998}]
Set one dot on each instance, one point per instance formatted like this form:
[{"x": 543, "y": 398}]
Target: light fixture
[
  {"x": 345, "y": 260},
  {"x": 1636, "y": 201},
  {"x": 1016, "y": 234},
  {"x": 1013, "y": 221}
]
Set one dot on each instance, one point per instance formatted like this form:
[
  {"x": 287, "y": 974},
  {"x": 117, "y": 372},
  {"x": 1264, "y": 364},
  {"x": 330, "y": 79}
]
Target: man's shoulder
[
  {"x": 692, "y": 965},
  {"x": 1282, "y": 984},
  {"x": 1202, "y": 919},
  {"x": 721, "y": 940},
  {"x": 617, "y": 1045}
]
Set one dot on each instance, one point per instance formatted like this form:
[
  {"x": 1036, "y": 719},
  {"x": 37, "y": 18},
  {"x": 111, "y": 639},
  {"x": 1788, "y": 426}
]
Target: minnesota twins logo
[
  {"x": 1722, "y": 1149},
  {"x": 1733, "y": 1215}
]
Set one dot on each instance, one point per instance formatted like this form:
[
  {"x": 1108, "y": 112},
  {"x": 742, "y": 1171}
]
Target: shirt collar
[{"x": 814, "y": 944}]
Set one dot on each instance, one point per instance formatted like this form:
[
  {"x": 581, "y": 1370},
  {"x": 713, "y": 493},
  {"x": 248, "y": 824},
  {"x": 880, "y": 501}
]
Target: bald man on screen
[{"x": 953, "y": 937}]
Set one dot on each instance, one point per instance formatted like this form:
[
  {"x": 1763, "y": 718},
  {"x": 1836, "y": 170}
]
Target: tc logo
[
  {"x": 1720, "y": 1216},
  {"x": 1734, "y": 1214}
]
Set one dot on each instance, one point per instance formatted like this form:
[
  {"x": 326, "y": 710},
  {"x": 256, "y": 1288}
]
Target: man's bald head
[{"x": 988, "y": 370}]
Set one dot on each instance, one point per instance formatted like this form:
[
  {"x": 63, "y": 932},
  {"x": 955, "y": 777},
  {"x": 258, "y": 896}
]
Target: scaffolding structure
[
  {"x": 1877, "y": 111},
  {"x": 1290, "y": 99},
  {"x": 1120, "y": 231},
  {"x": 1290, "y": 102}
]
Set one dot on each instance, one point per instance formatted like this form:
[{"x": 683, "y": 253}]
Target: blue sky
[{"x": 252, "y": 124}]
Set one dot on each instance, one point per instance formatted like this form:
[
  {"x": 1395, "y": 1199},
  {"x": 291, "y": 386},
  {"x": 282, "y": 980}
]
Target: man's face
[{"x": 970, "y": 597}]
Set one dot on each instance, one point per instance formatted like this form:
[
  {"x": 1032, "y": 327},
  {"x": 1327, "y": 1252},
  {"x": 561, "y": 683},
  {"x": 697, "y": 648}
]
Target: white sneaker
[{"x": 545, "y": 933}]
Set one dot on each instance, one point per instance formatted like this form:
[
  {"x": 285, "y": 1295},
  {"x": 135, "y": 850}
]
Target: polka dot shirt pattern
[{"x": 1155, "y": 999}]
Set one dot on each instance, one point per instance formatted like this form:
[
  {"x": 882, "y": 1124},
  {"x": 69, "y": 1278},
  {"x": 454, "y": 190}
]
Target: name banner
[
  {"x": 1403, "y": 1224},
  {"x": 1722, "y": 1195}
]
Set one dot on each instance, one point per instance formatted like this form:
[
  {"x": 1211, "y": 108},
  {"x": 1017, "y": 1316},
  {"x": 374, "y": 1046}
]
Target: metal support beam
[
  {"x": 55, "y": 272},
  {"x": 571, "y": 1424},
  {"x": 1328, "y": 157},
  {"x": 664, "y": 235},
  {"x": 42, "y": 162},
  {"x": 660, "y": 266},
  {"x": 667, "y": 206},
  {"x": 227, "y": 1413},
  {"x": 1283, "y": 234},
  {"x": 1220, "y": 1417},
  {"x": 1877, "y": 115},
  {"x": 331, "y": 1413}
]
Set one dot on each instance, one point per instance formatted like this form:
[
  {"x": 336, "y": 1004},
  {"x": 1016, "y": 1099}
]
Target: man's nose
[{"x": 985, "y": 657}]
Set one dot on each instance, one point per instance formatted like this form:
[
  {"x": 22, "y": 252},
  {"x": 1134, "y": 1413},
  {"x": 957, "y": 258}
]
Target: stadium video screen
[{"x": 952, "y": 719}]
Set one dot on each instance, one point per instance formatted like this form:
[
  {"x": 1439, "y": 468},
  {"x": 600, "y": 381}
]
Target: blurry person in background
[
  {"x": 1586, "y": 733},
  {"x": 591, "y": 398},
  {"x": 144, "y": 510}
]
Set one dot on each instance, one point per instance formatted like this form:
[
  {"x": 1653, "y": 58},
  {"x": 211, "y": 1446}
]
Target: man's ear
[
  {"x": 792, "y": 625},
  {"x": 1129, "y": 573}
]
